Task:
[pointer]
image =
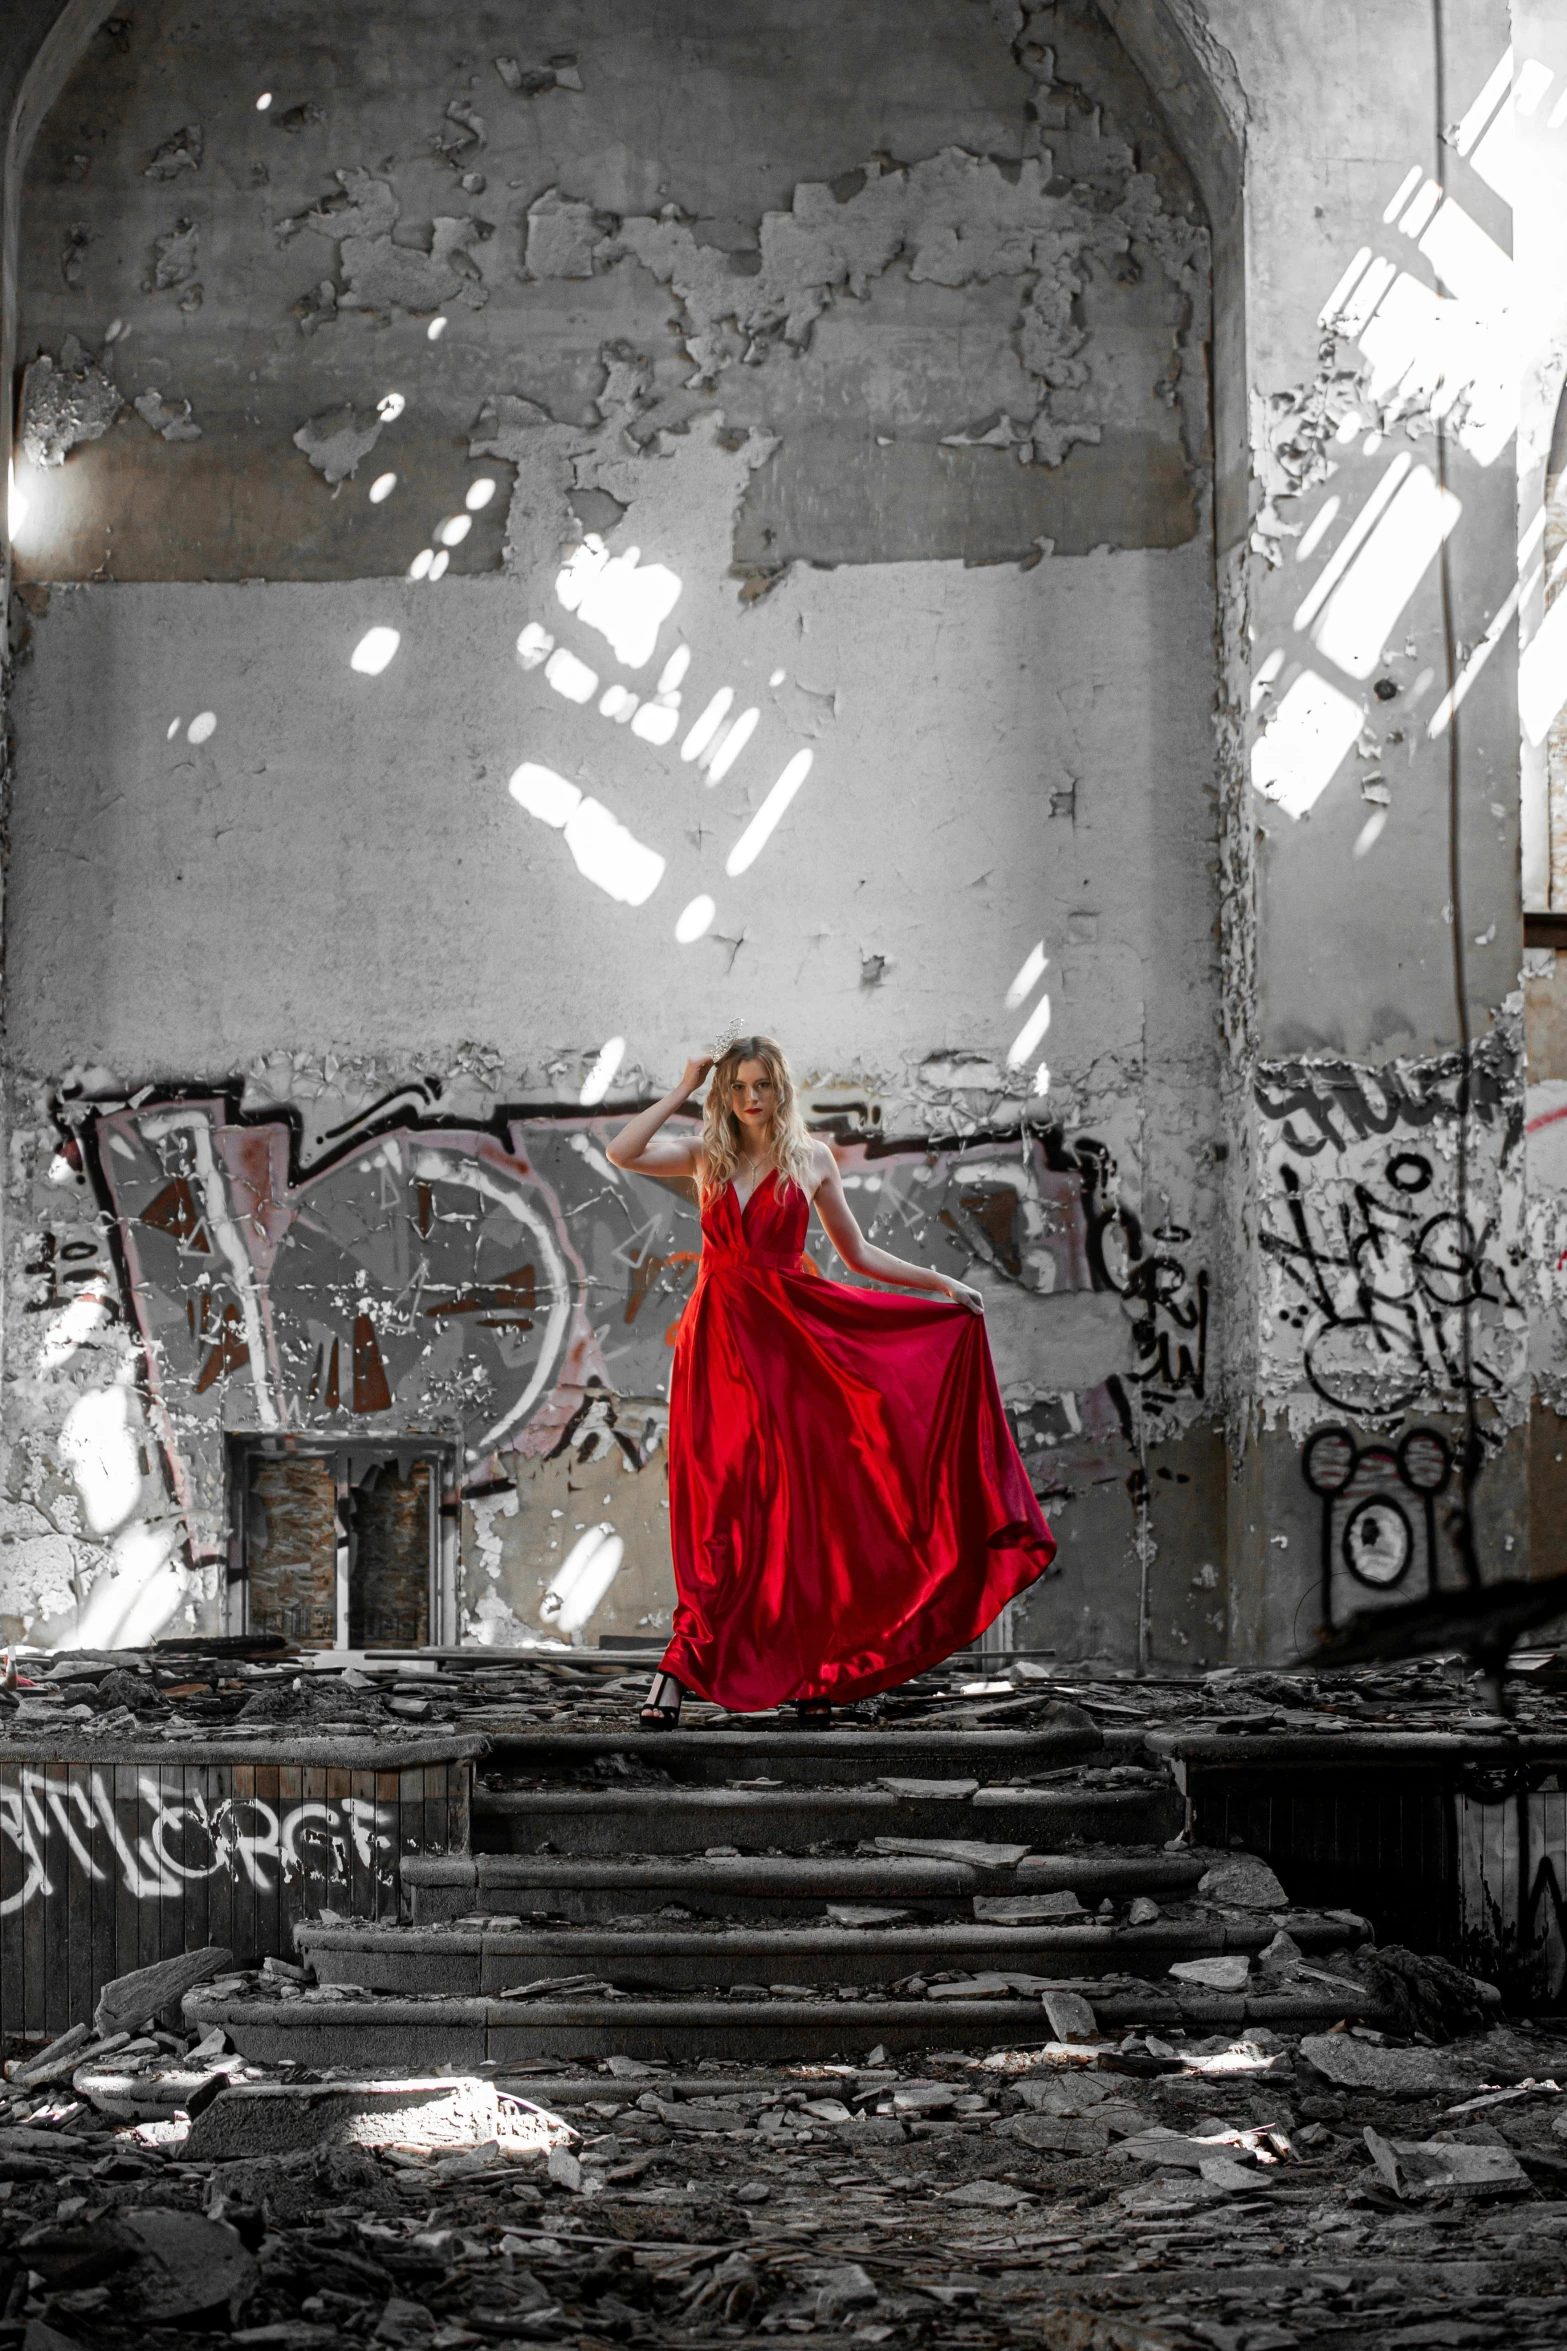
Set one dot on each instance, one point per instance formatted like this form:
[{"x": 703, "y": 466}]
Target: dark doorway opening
[{"x": 336, "y": 1546}]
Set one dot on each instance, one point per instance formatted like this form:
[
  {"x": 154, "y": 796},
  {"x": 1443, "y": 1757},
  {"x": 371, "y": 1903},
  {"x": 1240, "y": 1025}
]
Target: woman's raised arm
[
  {"x": 641, "y": 1150},
  {"x": 862, "y": 1256}
]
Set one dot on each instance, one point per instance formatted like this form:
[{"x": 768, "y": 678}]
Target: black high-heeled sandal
[
  {"x": 813, "y": 1714},
  {"x": 658, "y": 1714}
]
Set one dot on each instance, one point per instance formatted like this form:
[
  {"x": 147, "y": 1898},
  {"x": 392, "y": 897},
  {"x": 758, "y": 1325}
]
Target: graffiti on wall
[
  {"x": 493, "y": 1286},
  {"x": 52, "y": 1825},
  {"x": 1381, "y": 1290},
  {"x": 1379, "y": 1534}
]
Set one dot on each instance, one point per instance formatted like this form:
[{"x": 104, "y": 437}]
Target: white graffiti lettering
[{"x": 170, "y": 1836}]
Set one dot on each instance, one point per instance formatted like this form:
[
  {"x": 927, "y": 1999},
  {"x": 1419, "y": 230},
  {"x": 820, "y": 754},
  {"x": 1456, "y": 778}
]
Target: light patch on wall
[
  {"x": 143, "y": 1590},
  {"x": 1295, "y": 759},
  {"x": 435, "y": 330},
  {"x": 1024, "y": 1043},
  {"x": 571, "y": 677},
  {"x": 1029, "y": 975},
  {"x": 454, "y": 529},
  {"x": 534, "y": 645},
  {"x": 390, "y": 407},
  {"x": 695, "y": 920},
  {"x": 625, "y": 600},
  {"x": 1360, "y": 615},
  {"x": 1542, "y": 673},
  {"x": 769, "y": 816},
  {"x": 73, "y": 1326},
  {"x": 602, "y": 1075},
  {"x": 734, "y": 742},
  {"x": 382, "y": 487},
  {"x": 708, "y": 724},
  {"x": 479, "y": 494},
  {"x": 100, "y": 1449},
  {"x": 602, "y": 847},
  {"x": 580, "y": 1583},
  {"x": 202, "y": 727},
  {"x": 374, "y": 651},
  {"x": 420, "y": 566}
]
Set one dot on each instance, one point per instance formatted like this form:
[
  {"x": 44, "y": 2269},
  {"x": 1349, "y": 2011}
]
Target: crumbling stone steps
[
  {"x": 411, "y": 2035},
  {"x": 470, "y": 1961},
  {"x": 685, "y": 1820},
  {"x": 827, "y": 1757},
  {"x": 443, "y": 1887}
]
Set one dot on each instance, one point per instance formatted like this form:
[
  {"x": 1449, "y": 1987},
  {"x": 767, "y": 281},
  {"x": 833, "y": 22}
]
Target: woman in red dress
[{"x": 846, "y": 1502}]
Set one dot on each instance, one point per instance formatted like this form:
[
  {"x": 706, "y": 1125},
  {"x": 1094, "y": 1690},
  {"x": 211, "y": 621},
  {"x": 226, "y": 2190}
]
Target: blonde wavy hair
[{"x": 789, "y": 1145}]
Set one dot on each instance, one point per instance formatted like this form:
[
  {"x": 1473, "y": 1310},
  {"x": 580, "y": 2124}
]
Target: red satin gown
[{"x": 847, "y": 1504}]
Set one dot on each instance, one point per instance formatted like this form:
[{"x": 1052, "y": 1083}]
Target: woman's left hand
[{"x": 961, "y": 1295}]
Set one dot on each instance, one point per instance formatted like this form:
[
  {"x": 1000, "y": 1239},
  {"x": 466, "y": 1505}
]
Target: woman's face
[{"x": 753, "y": 1097}]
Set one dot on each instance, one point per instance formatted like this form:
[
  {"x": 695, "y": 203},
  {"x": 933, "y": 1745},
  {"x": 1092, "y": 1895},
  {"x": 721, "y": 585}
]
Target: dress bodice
[{"x": 768, "y": 1230}]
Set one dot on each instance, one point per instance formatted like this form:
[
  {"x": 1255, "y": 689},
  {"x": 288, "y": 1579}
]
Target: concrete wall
[
  {"x": 1109, "y": 445},
  {"x": 874, "y": 356}
]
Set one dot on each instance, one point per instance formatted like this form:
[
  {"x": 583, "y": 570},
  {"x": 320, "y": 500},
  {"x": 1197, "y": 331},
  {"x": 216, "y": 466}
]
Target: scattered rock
[
  {"x": 1397, "y": 2073},
  {"x": 1243, "y": 1883},
  {"x": 1227, "y": 1973},
  {"x": 133, "y": 2000},
  {"x": 1071, "y": 2016}
]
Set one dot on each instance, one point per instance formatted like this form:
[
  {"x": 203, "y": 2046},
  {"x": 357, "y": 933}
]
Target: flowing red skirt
[{"x": 847, "y": 1504}]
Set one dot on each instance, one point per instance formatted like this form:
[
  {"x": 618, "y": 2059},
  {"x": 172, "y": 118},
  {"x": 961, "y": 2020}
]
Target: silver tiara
[{"x": 726, "y": 1037}]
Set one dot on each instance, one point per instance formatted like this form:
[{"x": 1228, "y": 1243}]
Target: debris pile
[{"x": 1270, "y": 2193}]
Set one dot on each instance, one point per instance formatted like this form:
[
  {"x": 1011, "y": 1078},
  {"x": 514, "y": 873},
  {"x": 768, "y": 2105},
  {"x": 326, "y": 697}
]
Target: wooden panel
[{"x": 291, "y": 1547}]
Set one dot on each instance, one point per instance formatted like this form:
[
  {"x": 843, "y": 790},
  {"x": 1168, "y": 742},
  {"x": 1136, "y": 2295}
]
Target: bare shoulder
[{"x": 823, "y": 1166}]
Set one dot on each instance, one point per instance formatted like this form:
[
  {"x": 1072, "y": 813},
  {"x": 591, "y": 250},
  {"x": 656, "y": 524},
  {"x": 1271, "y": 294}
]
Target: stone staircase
[{"x": 750, "y": 1892}]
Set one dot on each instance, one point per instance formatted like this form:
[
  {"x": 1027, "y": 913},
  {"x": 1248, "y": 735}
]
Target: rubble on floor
[
  {"x": 227, "y": 1688},
  {"x": 1151, "y": 2192}
]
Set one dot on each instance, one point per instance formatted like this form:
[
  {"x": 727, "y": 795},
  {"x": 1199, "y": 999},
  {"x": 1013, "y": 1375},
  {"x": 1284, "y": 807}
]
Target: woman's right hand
[{"x": 696, "y": 1070}]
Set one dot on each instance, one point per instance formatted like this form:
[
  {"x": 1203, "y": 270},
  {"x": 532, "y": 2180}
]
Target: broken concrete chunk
[
  {"x": 189, "y": 2267},
  {"x": 987, "y": 2195},
  {"x": 336, "y": 442},
  {"x": 135, "y": 1999},
  {"x": 61, "y": 2057},
  {"x": 562, "y": 236},
  {"x": 180, "y": 152},
  {"x": 1021, "y": 1910},
  {"x": 177, "y": 256},
  {"x": 273, "y": 2118},
  {"x": 1418, "y": 2169},
  {"x": 866, "y": 1914},
  {"x": 175, "y": 424},
  {"x": 1143, "y": 1912},
  {"x": 1244, "y": 1883},
  {"x": 1071, "y": 2016},
  {"x": 1398, "y": 2073},
  {"x": 65, "y": 405},
  {"x": 1226, "y": 1974},
  {"x": 949, "y": 1791},
  {"x": 967, "y": 1850}
]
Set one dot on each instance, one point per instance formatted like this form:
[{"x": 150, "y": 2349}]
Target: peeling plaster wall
[{"x": 867, "y": 401}]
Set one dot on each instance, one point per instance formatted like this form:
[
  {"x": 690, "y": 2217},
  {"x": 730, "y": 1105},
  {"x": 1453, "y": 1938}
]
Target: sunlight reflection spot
[
  {"x": 571, "y": 677},
  {"x": 374, "y": 650},
  {"x": 708, "y": 724},
  {"x": 695, "y": 920},
  {"x": 656, "y": 722},
  {"x": 382, "y": 487},
  {"x": 438, "y": 565},
  {"x": 777, "y": 677},
  {"x": 479, "y": 494},
  {"x": 174, "y": 728},
  {"x": 1370, "y": 832},
  {"x": 729, "y": 750},
  {"x": 390, "y": 407},
  {"x": 602, "y": 1075},
  {"x": 625, "y": 600},
  {"x": 674, "y": 670},
  {"x": 1295, "y": 758},
  {"x": 436, "y": 329},
  {"x": 602, "y": 848},
  {"x": 618, "y": 703},
  {"x": 263, "y": 102},
  {"x": 765, "y": 822},
  {"x": 1029, "y": 974},
  {"x": 1029, "y": 1034},
  {"x": 582, "y": 1579},
  {"x": 454, "y": 529},
  {"x": 202, "y": 727},
  {"x": 421, "y": 563},
  {"x": 534, "y": 644}
]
